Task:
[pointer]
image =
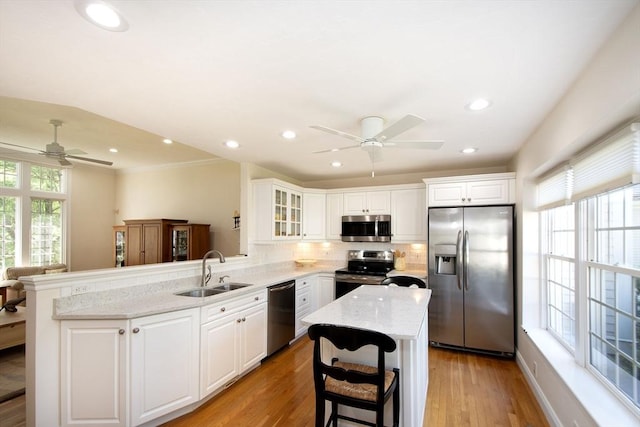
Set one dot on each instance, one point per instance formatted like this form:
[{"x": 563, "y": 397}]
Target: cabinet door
[
  {"x": 295, "y": 215},
  {"x": 253, "y": 336},
  {"x": 219, "y": 361},
  {"x": 313, "y": 211},
  {"x": 379, "y": 203},
  {"x": 334, "y": 216},
  {"x": 488, "y": 192},
  {"x": 152, "y": 238},
  {"x": 325, "y": 290},
  {"x": 408, "y": 215},
  {"x": 89, "y": 395},
  {"x": 355, "y": 203},
  {"x": 164, "y": 363},
  {"x": 447, "y": 194},
  {"x": 134, "y": 244}
]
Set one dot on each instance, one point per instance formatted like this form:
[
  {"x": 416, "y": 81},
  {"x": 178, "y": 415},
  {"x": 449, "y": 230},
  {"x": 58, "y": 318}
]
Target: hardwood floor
[{"x": 464, "y": 390}]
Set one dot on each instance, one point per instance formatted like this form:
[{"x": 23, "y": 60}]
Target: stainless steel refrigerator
[{"x": 471, "y": 274}]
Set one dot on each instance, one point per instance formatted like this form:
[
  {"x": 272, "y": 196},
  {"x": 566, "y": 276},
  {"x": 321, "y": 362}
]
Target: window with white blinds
[{"x": 611, "y": 163}]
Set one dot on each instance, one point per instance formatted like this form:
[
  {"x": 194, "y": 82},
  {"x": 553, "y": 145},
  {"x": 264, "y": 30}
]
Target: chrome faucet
[
  {"x": 221, "y": 279},
  {"x": 206, "y": 277}
]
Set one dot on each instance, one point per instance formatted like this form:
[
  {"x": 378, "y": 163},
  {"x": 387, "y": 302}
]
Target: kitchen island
[{"x": 400, "y": 313}]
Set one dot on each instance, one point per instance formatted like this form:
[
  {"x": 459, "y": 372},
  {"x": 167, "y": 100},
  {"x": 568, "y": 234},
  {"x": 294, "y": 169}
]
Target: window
[
  {"x": 590, "y": 224},
  {"x": 560, "y": 278},
  {"x": 32, "y": 202}
]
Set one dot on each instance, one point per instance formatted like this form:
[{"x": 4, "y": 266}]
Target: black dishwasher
[{"x": 281, "y": 316}]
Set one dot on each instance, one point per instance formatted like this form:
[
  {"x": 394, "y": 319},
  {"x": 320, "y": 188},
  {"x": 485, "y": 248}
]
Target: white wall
[
  {"x": 606, "y": 94},
  {"x": 202, "y": 193}
]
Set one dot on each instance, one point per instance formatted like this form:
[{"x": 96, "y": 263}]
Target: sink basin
[
  {"x": 230, "y": 286},
  {"x": 207, "y": 292},
  {"x": 201, "y": 292}
]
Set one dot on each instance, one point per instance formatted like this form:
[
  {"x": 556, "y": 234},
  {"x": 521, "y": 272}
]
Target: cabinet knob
[
  {"x": 469, "y": 199},
  {"x": 136, "y": 330},
  {"x": 239, "y": 320},
  {"x": 304, "y": 300},
  {"x": 244, "y": 319},
  {"x": 256, "y": 298},
  {"x": 121, "y": 331},
  {"x": 222, "y": 309}
]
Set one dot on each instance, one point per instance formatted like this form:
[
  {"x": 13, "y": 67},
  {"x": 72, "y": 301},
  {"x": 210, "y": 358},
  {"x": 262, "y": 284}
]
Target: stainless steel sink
[
  {"x": 230, "y": 286},
  {"x": 207, "y": 292},
  {"x": 200, "y": 292}
]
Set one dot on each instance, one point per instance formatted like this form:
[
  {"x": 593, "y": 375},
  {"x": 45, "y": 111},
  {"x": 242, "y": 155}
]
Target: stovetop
[{"x": 370, "y": 263}]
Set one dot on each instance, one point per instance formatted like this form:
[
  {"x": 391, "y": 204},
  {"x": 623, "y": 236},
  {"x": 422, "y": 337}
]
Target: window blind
[
  {"x": 613, "y": 163},
  {"x": 555, "y": 189}
]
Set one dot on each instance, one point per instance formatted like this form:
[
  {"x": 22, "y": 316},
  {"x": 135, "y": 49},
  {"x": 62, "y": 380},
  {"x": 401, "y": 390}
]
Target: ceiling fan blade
[
  {"x": 337, "y": 132},
  {"x": 402, "y": 125},
  {"x": 64, "y": 162},
  {"x": 20, "y": 146},
  {"x": 420, "y": 145},
  {"x": 337, "y": 149},
  {"x": 74, "y": 151},
  {"x": 86, "y": 159}
]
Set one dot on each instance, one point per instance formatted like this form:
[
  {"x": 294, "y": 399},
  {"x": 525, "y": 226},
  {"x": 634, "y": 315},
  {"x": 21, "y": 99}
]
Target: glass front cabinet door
[
  {"x": 119, "y": 245},
  {"x": 287, "y": 213}
]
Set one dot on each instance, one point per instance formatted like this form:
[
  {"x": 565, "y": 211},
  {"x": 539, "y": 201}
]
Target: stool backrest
[{"x": 406, "y": 281}]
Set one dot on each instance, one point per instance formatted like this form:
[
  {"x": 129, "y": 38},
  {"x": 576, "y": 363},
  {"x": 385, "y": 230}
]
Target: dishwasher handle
[{"x": 282, "y": 287}]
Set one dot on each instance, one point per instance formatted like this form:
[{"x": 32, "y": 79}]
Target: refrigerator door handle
[
  {"x": 459, "y": 259},
  {"x": 466, "y": 260}
]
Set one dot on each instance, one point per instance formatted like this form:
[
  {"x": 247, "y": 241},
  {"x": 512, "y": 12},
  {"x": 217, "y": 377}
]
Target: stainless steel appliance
[
  {"x": 281, "y": 316},
  {"x": 471, "y": 274},
  {"x": 366, "y": 228},
  {"x": 363, "y": 268}
]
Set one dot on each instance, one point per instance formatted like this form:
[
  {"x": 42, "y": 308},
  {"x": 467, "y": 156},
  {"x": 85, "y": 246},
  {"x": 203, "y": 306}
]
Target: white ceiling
[{"x": 202, "y": 72}]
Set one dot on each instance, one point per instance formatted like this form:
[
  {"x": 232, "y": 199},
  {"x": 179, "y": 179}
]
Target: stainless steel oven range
[{"x": 363, "y": 268}]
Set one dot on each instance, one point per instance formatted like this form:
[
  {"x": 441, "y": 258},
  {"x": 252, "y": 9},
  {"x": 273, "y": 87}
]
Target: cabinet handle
[
  {"x": 256, "y": 298},
  {"x": 244, "y": 319},
  {"x": 222, "y": 309},
  {"x": 469, "y": 199},
  {"x": 239, "y": 320},
  {"x": 121, "y": 331},
  {"x": 136, "y": 330}
]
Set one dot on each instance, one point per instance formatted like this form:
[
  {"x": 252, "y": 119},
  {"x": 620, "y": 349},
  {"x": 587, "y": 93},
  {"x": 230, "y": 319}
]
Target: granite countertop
[
  {"x": 142, "y": 301},
  {"x": 396, "y": 311}
]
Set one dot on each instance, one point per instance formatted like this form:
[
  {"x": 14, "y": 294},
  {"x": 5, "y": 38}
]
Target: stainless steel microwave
[{"x": 366, "y": 228}]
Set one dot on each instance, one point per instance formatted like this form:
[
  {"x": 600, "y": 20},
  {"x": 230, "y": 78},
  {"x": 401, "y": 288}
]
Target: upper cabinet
[
  {"x": 334, "y": 216},
  {"x": 408, "y": 215},
  {"x": 313, "y": 215},
  {"x": 367, "y": 203},
  {"x": 488, "y": 189},
  {"x": 278, "y": 210}
]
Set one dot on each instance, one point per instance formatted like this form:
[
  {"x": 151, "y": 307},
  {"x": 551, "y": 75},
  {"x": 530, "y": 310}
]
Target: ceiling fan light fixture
[
  {"x": 478, "y": 104},
  {"x": 101, "y": 14}
]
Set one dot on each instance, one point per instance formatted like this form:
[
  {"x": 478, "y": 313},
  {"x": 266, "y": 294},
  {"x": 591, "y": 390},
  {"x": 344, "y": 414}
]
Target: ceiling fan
[
  {"x": 57, "y": 151},
  {"x": 375, "y": 136}
]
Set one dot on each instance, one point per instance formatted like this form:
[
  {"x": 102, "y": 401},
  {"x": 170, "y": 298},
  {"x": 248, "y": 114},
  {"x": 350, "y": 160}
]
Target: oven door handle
[{"x": 360, "y": 279}]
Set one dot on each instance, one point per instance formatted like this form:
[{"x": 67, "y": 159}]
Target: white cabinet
[
  {"x": 313, "y": 216},
  {"x": 334, "y": 216},
  {"x": 102, "y": 359},
  {"x": 489, "y": 189},
  {"x": 408, "y": 215},
  {"x": 304, "y": 301},
  {"x": 93, "y": 372},
  {"x": 164, "y": 363},
  {"x": 233, "y": 339},
  {"x": 277, "y": 210},
  {"x": 325, "y": 290},
  {"x": 367, "y": 203}
]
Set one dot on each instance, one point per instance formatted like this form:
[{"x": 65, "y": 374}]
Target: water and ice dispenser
[{"x": 445, "y": 259}]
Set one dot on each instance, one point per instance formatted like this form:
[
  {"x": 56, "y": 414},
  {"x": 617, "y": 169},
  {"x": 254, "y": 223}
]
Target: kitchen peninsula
[{"x": 400, "y": 313}]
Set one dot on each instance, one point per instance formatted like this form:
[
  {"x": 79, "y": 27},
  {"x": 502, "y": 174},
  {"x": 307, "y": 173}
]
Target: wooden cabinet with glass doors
[{"x": 190, "y": 241}]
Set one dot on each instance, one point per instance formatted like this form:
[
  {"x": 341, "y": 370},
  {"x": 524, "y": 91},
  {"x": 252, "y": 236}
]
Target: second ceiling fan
[{"x": 374, "y": 136}]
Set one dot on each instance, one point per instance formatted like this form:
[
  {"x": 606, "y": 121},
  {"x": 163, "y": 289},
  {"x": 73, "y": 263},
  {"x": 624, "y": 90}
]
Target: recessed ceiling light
[
  {"x": 102, "y": 14},
  {"x": 336, "y": 164},
  {"x": 167, "y": 141},
  {"x": 469, "y": 150},
  {"x": 113, "y": 150},
  {"x": 288, "y": 134},
  {"x": 231, "y": 144},
  {"x": 478, "y": 104}
]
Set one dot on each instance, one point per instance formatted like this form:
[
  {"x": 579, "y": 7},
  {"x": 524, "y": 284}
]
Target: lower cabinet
[
  {"x": 304, "y": 301},
  {"x": 325, "y": 290},
  {"x": 156, "y": 357},
  {"x": 233, "y": 339}
]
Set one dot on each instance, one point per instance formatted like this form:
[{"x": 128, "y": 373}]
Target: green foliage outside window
[
  {"x": 46, "y": 179},
  {"x": 8, "y": 174}
]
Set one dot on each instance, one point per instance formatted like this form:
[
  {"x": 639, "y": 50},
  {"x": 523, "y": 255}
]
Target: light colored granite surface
[
  {"x": 158, "y": 298},
  {"x": 396, "y": 311}
]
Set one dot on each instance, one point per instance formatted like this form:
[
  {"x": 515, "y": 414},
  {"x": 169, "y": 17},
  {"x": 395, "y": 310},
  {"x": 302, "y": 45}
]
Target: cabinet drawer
[
  {"x": 11, "y": 335},
  {"x": 303, "y": 300},
  {"x": 224, "y": 307}
]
